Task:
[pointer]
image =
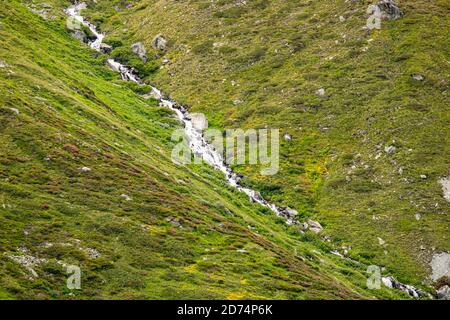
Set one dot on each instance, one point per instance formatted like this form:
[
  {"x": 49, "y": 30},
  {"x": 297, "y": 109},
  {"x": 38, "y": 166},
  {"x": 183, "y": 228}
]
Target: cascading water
[
  {"x": 199, "y": 145},
  {"x": 197, "y": 142}
]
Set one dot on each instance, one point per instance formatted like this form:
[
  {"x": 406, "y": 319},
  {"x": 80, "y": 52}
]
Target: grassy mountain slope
[
  {"x": 260, "y": 63},
  {"x": 137, "y": 225}
]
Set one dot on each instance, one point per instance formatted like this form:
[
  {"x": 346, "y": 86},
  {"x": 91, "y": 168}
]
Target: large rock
[
  {"x": 80, "y": 35},
  {"x": 440, "y": 266},
  {"x": 314, "y": 226},
  {"x": 159, "y": 43},
  {"x": 445, "y": 183},
  {"x": 199, "y": 121},
  {"x": 105, "y": 48},
  {"x": 288, "y": 213},
  {"x": 389, "y": 10},
  {"x": 138, "y": 48},
  {"x": 84, "y": 35},
  {"x": 390, "y": 149},
  {"x": 443, "y": 293}
]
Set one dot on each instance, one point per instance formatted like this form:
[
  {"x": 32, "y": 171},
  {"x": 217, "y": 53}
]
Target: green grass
[
  {"x": 74, "y": 113},
  {"x": 273, "y": 56}
]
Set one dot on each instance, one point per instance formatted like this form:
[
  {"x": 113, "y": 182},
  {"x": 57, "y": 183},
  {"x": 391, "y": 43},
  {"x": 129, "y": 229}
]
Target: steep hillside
[
  {"x": 367, "y": 110},
  {"x": 86, "y": 179}
]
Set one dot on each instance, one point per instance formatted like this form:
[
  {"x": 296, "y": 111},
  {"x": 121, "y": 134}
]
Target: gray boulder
[
  {"x": 417, "y": 77},
  {"x": 105, "y": 48},
  {"x": 288, "y": 213},
  {"x": 314, "y": 226},
  {"x": 445, "y": 183},
  {"x": 80, "y": 35},
  {"x": 389, "y": 10},
  {"x": 440, "y": 265},
  {"x": 159, "y": 43},
  {"x": 390, "y": 149},
  {"x": 138, "y": 48},
  {"x": 443, "y": 293}
]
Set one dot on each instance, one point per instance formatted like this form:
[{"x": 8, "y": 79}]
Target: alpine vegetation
[{"x": 224, "y": 150}]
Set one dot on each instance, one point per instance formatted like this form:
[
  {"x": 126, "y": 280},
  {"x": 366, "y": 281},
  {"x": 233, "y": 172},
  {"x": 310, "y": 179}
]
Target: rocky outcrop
[
  {"x": 27, "y": 261},
  {"x": 105, "y": 48},
  {"x": 138, "y": 49},
  {"x": 389, "y": 10},
  {"x": 82, "y": 34},
  {"x": 443, "y": 293},
  {"x": 390, "y": 149},
  {"x": 440, "y": 266},
  {"x": 288, "y": 213},
  {"x": 384, "y": 10},
  {"x": 199, "y": 121},
  {"x": 314, "y": 226},
  {"x": 79, "y": 35},
  {"x": 320, "y": 92},
  {"x": 159, "y": 43},
  {"x": 445, "y": 183}
]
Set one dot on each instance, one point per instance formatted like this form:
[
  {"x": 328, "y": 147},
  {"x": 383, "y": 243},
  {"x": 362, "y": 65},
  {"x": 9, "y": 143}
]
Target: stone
[
  {"x": 126, "y": 197},
  {"x": 443, "y": 293},
  {"x": 28, "y": 262},
  {"x": 389, "y": 10},
  {"x": 287, "y": 137},
  {"x": 445, "y": 183},
  {"x": 105, "y": 48},
  {"x": 16, "y": 111},
  {"x": 321, "y": 92},
  {"x": 417, "y": 77},
  {"x": 92, "y": 253},
  {"x": 199, "y": 121},
  {"x": 440, "y": 266},
  {"x": 289, "y": 212},
  {"x": 138, "y": 48},
  {"x": 390, "y": 149},
  {"x": 79, "y": 35},
  {"x": 381, "y": 241},
  {"x": 85, "y": 169},
  {"x": 159, "y": 43},
  {"x": 418, "y": 216},
  {"x": 314, "y": 226}
]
